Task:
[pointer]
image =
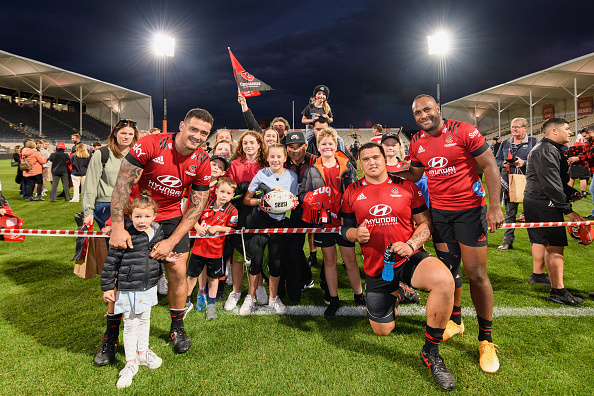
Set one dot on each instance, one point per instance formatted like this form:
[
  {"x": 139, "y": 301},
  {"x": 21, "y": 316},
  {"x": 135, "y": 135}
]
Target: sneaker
[
  {"x": 330, "y": 312},
  {"x": 126, "y": 375},
  {"x": 309, "y": 285},
  {"x": 441, "y": 374},
  {"x": 229, "y": 280},
  {"x": 567, "y": 298},
  {"x": 541, "y": 279},
  {"x": 201, "y": 303},
  {"x": 326, "y": 296},
  {"x": 452, "y": 329},
  {"x": 38, "y": 198},
  {"x": 149, "y": 359},
  {"x": 162, "y": 287},
  {"x": 488, "y": 360},
  {"x": 181, "y": 342},
  {"x": 278, "y": 306},
  {"x": 211, "y": 312},
  {"x": 360, "y": 299},
  {"x": 106, "y": 354},
  {"x": 44, "y": 193},
  {"x": 312, "y": 260},
  {"x": 504, "y": 247},
  {"x": 410, "y": 293},
  {"x": 261, "y": 296},
  {"x": 232, "y": 301},
  {"x": 246, "y": 307},
  {"x": 72, "y": 200},
  {"x": 188, "y": 308}
]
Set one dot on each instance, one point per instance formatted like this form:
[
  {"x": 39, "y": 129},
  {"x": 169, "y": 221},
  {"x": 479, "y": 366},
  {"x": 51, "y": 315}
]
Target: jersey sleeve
[
  {"x": 294, "y": 184},
  {"x": 202, "y": 180},
  {"x": 418, "y": 204},
  {"x": 255, "y": 182},
  {"x": 346, "y": 208},
  {"x": 233, "y": 217},
  {"x": 142, "y": 151},
  {"x": 474, "y": 142},
  {"x": 412, "y": 153}
]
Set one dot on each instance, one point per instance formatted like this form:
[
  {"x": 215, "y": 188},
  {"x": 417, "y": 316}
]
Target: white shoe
[
  {"x": 229, "y": 279},
  {"x": 261, "y": 296},
  {"x": 162, "y": 287},
  {"x": 126, "y": 375},
  {"x": 278, "y": 306},
  {"x": 72, "y": 200},
  {"x": 248, "y": 304},
  {"x": 149, "y": 359},
  {"x": 232, "y": 300}
]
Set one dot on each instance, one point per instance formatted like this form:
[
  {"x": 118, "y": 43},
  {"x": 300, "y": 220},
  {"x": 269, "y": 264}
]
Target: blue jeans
[{"x": 102, "y": 213}]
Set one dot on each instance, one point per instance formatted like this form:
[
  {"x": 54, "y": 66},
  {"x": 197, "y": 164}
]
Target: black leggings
[{"x": 275, "y": 249}]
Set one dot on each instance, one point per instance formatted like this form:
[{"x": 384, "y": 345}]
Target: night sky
[{"x": 371, "y": 54}]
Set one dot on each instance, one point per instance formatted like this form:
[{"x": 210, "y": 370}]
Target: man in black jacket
[
  {"x": 547, "y": 197},
  {"x": 59, "y": 160}
]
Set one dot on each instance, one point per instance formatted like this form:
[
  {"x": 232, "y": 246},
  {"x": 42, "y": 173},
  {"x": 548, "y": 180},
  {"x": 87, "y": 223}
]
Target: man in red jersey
[
  {"x": 448, "y": 152},
  {"x": 166, "y": 164},
  {"x": 381, "y": 211}
]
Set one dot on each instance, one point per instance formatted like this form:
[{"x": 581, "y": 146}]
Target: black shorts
[
  {"x": 467, "y": 226},
  {"x": 537, "y": 211},
  {"x": 380, "y": 300},
  {"x": 214, "y": 266},
  {"x": 169, "y": 225},
  {"x": 579, "y": 172},
  {"x": 328, "y": 240}
]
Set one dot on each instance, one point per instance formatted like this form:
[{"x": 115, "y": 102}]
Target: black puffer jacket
[{"x": 133, "y": 268}]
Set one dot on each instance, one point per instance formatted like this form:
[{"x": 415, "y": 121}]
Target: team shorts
[
  {"x": 169, "y": 225},
  {"x": 467, "y": 226},
  {"x": 579, "y": 172},
  {"x": 328, "y": 240},
  {"x": 537, "y": 211},
  {"x": 214, "y": 266},
  {"x": 379, "y": 293}
]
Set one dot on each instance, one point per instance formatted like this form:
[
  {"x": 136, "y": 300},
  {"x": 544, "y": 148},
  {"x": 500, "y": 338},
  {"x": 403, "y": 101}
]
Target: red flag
[{"x": 247, "y": 84}]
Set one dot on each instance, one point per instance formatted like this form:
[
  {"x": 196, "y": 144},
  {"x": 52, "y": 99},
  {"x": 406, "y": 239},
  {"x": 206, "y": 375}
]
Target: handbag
[
  {"x": 15, "y": 163},
  {"x": 90, "y": 255},
  {"x": 25, "y": 165},
  {"x": 517, "y": 184}
]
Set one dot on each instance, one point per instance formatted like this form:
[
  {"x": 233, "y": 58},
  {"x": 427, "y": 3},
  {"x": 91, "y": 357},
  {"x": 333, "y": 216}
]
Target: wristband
[{"x": 409, "y": 242}]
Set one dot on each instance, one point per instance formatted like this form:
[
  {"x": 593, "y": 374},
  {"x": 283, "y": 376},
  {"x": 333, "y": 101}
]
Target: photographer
[{"x": 512, "y": 156}]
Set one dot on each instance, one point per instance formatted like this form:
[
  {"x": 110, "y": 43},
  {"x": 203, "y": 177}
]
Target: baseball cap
[
  {"x": 61, "y": 145},
  {"x": 218, "y": 157},
  {"x": 322, "y": 88},
  {"x": 390, "y": 135},
  {"x": 294, "y": 137}
]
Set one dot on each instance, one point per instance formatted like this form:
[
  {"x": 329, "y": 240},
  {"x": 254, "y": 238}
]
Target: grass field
[{"x": 52, "y": 324}]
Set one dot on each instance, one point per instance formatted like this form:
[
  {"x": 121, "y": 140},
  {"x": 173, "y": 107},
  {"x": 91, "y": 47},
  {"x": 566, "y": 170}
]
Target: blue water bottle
[{"x": 389, "y": 260}]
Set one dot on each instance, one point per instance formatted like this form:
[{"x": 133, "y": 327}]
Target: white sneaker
[
  {"x": 126, "y": 375},
  {"x": 232, "y": 300},
  {"x": 229, "y": 279},
  {"x": 278, "y": 306},
  {"x": 162, "y": 287},
  {"x": 261, "y": 296},
  {"x": 149, "y": 359},
  {"x": 248, "y": 304}
]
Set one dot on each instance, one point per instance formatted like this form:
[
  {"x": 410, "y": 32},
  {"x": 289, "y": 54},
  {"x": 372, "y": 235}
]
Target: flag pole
[{"x": 293, "y": 115}]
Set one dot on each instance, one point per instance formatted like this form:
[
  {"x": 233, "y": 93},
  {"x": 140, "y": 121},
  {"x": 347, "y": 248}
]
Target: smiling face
[
  {"x": 270, "y": 137},
  {"x": 427, "y": 114},
  {"x": 518, "y": 130},
  {"x": 296, "y": 152},
  {"x": 279, "y": 127},
  {"x": 193, "y": 134},
  {"x": 250, "y": 145},
  {"x": 224, "y": 135},
  {"x": 142, "y": 218},
  {"x": 276, "y": 159},
  {"x": 391, "y": 147},
  {"x": 223, "y": 149},
  {"x": 217, "y": 168},
  {"x": 327, "y": 147},
  {"x": 320, "y": 96}
]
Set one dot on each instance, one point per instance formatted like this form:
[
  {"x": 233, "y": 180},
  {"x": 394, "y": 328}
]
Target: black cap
[
  {"x": 294, "y": 137},
  {"x": 390, "y": 135},
  {"x": 218, "y": 157},
  {"x": 322, "y": 88}
]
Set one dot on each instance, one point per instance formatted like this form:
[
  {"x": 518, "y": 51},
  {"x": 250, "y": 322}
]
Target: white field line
[{"x": 416, "y": 310}]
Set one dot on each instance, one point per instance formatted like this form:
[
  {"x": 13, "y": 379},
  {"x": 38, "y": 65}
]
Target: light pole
[
  {"x": 439, "y": 45},
  {"x": 164, "y": 46}
]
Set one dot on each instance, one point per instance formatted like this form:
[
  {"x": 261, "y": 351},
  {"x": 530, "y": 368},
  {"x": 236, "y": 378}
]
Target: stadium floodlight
[
  {"x": 164, "y": 47},
  {"x": 439, "y": 44}
]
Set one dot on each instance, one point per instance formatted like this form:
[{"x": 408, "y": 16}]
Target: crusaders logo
[
  {"x": 380, "y": 210},
  {"x": 394, "y": 191},
  {"x": 169, "y": 181},
  {"x": 438, "y": 162},
  {"x": 247, "y": 75},
  {"x": 449, "y": 139}
]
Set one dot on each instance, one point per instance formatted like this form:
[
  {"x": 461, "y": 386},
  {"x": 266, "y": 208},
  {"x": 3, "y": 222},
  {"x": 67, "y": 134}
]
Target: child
[
  {"x": 219, "y": 215},
  {"x": 135, "y": 276},
  {"x": 318, "y": 106}
]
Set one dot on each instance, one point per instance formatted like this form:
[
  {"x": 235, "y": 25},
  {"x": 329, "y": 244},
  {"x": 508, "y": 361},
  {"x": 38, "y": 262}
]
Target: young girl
[
  {"x": 270, "y": 137},
  {"x": 135, "y": 275},
  {"x": 333, "y": 169},
  {"x": 277, "y": 177},
  {"x": 318, "y": 105},
  {"x": 222, "y": 148},
  {"x": 80, "y": 162}
]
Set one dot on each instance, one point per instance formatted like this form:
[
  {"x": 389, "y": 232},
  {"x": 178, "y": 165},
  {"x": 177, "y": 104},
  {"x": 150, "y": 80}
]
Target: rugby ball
[
  {"x": 581, "y": 234},
  {"x": 278, "y": 202}
]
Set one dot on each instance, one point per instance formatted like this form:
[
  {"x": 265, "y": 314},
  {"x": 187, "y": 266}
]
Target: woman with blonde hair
[
  {"x": 80, "y": 162},
  {"x": 34, "y": 175}
]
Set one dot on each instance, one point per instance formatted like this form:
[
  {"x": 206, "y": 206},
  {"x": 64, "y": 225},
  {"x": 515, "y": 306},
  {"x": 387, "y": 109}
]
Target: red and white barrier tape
[{"x": 334, "y": 230}]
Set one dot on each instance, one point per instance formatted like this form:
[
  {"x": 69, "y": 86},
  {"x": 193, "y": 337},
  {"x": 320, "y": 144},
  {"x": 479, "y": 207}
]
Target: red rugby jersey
[
  {"x": 166, "y": 173},
  {"x": 226, "y": 217},
  {"x": 450, "y": 167},
  {"x": 388, "y": 208}
]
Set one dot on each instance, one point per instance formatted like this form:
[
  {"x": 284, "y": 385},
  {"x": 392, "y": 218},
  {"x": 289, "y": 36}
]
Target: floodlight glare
[
  {"x": 163, "y": 45},
  {"x": 439, "y": 44}
]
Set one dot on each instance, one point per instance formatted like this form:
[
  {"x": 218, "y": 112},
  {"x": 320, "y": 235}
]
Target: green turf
[{"x": 52, "y": 324}]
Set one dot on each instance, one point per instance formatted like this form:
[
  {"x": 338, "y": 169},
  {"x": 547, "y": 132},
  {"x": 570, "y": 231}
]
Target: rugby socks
[
  {"x": 211, "y": 300},
  {"x": 558, "y": 291},
  {"x": 177, "y": 318},
  {"x": 456, "y": 315},
  {"x": 433, "y": 337},
  {"x": 113, "y": 325},
  {"x": 189, "y": 299},
  {"x": 484, "y": 329}
]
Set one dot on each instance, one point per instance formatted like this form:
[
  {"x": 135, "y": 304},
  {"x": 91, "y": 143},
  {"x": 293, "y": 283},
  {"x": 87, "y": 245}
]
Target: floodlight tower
[
  {"x": 164, "y": 46},
  {"x": 439, "y": 45}
]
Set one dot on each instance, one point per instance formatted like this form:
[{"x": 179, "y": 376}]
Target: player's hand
[
  {"x": 162, "y": 249},
  {"x": 173, "y": 257},
  {"x": 120, "y": 239},
  {"x": 575, "y": 217},
  {"x": 363, "y": 234},
  {"x": 109, "y": 296},
  {"x": 495, "y": 218},
  {"x": 402, "y": 249}
]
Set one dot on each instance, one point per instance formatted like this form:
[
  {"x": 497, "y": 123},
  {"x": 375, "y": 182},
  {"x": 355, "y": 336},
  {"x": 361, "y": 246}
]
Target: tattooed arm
[
  {"x": 197, "y": 202},
  {"x": 127, "y": 177},
  {"x": 419, "y": 236}
]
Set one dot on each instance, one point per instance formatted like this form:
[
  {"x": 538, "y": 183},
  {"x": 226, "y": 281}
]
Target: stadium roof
[
  {"x": 23, "y": 74},
  {"x": 562, "y": 84}
]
